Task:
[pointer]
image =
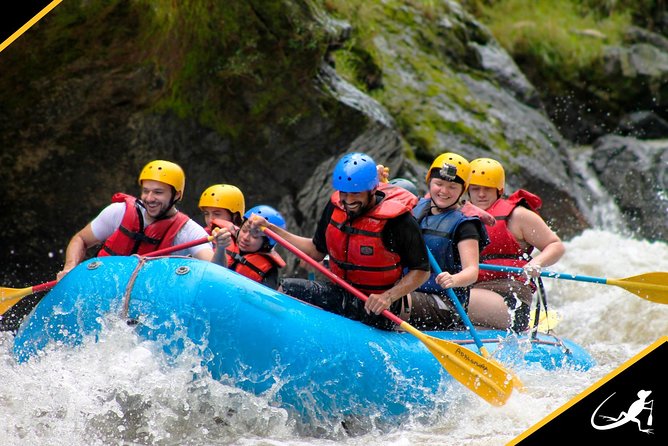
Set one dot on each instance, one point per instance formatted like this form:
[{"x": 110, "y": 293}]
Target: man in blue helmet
[{"x": 373, "y": 243}]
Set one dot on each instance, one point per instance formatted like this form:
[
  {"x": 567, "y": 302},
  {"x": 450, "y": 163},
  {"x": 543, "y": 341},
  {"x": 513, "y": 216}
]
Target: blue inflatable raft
[{"x": 315, "y": 364}]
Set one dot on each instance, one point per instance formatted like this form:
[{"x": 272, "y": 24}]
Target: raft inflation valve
[
  {"x": 181, "y": 270},
  {"x": 94, "y": 265}
]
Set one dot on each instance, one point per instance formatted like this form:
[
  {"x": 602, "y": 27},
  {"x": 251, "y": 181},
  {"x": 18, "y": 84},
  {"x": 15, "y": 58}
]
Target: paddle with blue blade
[
  {"x": 11, "y": 296},
  {"x": 486, "y": 378},
  {"x": 651, "y": 286},
  {"x": 462, "y": 314}
]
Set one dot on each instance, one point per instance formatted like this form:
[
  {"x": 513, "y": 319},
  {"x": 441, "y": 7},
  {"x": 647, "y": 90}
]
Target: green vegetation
[
  {"x": 229, "y": 59},
  {"x": 214, "y": 61},
  {"x": 218, "y": 61},
  {"x": 558, "y": 40},
  {"x": 399, "y": 55}
]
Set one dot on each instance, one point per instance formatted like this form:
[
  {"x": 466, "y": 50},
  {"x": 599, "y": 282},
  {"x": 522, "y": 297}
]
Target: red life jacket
[
  {"x": 504, "y": 249},
  {"x": 254, "y": 265},
  {"x": 132, "y": 237},
  {"x": 356, "y": 250}
]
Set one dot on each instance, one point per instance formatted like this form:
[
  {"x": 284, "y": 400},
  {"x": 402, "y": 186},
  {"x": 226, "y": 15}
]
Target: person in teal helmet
[
  {"x": 372, "y": 240},
  {"x": 406, "y": 184}
]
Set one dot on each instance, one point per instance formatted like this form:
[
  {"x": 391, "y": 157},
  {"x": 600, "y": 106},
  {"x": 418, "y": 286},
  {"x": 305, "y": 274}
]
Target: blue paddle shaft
[
  {"x": 512, "y": 269},
  {"x": 458, "y": 305}
]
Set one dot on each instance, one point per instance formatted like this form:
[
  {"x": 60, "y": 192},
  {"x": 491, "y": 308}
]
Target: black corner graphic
[
  {"x": 628, "y": 406},
  {"x": 21, "y": 13}
]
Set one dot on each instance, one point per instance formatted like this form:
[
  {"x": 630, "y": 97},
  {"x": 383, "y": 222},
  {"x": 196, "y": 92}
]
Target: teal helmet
[{"x": 406, "y": 184}]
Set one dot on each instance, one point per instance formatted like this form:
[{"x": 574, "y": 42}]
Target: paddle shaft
[
  {"x": 458, "y": 305},
  {"x": 186, "y": 245},
  {"x": 631, "y": 284},
  {"x": 513, "y": 269},
  {"x": 336, "y": 279},
  {"x": 11, "y": 296}
]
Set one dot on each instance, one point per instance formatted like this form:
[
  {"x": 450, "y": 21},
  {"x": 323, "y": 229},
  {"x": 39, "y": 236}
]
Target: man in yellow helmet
[{"x": 140, "y": 226}]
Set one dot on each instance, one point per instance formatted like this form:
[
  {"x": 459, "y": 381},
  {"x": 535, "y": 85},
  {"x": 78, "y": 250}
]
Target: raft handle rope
[{"x": 128, "y": 288}]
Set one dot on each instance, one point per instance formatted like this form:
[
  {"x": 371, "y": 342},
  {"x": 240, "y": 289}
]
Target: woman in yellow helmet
[
  {"x": 140, "y": 226},
  {"x": 453, "y": 238},
  {"x": 500, "y": 300}
]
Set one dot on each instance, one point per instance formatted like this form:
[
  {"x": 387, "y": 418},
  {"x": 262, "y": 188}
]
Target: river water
[{"x": 116, "y": 392}]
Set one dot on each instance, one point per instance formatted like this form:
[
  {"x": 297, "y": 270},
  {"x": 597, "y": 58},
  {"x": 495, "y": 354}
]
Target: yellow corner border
[{"x": 28, "y": 24}]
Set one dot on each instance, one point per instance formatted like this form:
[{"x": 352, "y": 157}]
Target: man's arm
[
  {"x": 76, "y": 249},
  {"x": 403, "y": 236},
  {"x": 304, "y": 244},
  {"x": 222, "y": 238},
  {"x": 379, "y": 302},
  {"x": 310, "y": 246}
]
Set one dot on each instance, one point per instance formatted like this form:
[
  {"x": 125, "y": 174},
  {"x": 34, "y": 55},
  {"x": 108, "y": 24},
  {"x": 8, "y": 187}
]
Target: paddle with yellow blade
[
  {"x": 11, "y": 296},
  {"x": 651, "y": 286},
  {"x": 547, "y": 320},
  {"x": 487, "y": 379},
  {"x": 462, "y": 314}
]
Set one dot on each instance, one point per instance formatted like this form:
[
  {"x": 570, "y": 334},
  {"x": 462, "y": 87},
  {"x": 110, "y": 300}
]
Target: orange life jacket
[{"x": 254, "y": 265}]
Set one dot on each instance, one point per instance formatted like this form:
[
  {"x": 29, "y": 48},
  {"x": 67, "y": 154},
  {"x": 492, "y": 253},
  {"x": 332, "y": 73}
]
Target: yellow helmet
[
  {"x": 224, "y": 196},
  {"x": 165, "y": 172},
  {"x": 462, "y": 172},
  {"x": 488, "y": 173}
]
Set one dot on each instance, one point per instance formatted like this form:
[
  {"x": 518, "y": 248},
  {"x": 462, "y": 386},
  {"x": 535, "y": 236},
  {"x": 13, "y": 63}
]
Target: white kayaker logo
[{"x": 631, "y": 415}]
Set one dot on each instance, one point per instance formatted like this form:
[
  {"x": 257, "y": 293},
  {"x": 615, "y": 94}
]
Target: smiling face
[
  {"x": 249, "y": 240},
  {"x": 156, "y": 196},
  {"x": 445, "y": 193},
  {"x": 483, "y": 196},
  {"x": 355, "y": 203},
  {"x": 211, "y": 213}
]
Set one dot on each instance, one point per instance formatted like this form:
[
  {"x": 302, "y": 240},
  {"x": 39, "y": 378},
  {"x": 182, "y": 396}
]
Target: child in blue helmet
[{"x": 253, "y": 254}]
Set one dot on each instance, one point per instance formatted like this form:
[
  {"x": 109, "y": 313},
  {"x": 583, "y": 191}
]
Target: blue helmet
[
  {"x": 406, "y": 184},
  {"x": 272, "y": 215},
  {"x": 355, "y": 172}
]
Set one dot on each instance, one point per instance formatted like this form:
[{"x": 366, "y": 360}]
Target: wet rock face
[{"x": 634, "y": 173}]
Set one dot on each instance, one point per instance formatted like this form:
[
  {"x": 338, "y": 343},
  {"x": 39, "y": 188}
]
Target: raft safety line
[
  {"x": 533, "y": 341},
  {"x": 130, "y": 285}
]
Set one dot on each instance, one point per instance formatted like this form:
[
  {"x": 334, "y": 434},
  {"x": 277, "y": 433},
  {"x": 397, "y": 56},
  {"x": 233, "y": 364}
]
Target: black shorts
[{"x": 333, "y": 298}]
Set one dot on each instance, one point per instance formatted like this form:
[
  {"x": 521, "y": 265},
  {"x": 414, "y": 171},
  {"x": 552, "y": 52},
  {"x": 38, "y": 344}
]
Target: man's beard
[{"x": 356, "y": 213}]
